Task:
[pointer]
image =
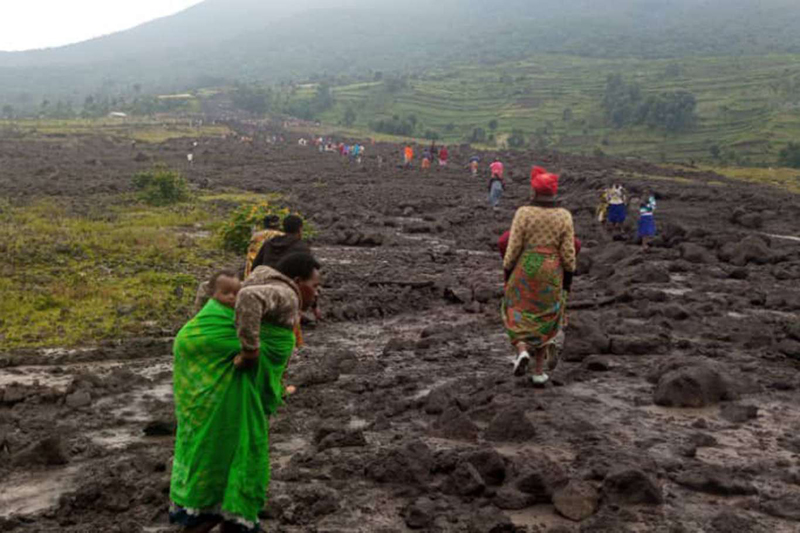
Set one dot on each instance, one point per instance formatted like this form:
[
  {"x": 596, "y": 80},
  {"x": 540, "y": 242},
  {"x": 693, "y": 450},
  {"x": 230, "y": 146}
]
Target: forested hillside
[{"x": 222, "y": 41}]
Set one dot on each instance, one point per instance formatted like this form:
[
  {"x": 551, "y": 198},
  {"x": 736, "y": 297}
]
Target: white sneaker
[
  {"x": 521, "y": 364},
  {"x": 540, "y": 380}
]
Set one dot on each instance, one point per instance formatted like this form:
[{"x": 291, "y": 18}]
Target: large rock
[
  {"x": 751, "y": 249},
  {"x": 638, "y": 345},
  {"x": 78, "y": 399},
  {"x": 694, "y": 253},
  {"x": 409, "y": 464},
  {"x": 510, "y": 425},
  {"x": 576, "y": 501},
  {"x": 420, "y": 514},
  {"x": 584, "y": 337},
  {"x": 738, "y": 414},
  {"x": 437, "y": 401},
  {"x": 696, "y": 385},
  {"x": 787, "y": 507},
  {"x": 510, "y": 498},
  {"x": 489, "y": 464},
  {"x": 631, "y": 486},
  {"x": 455, "y": 425},
  {"x": 466, "y": 480},
  {"x": 714, "y": 480},
  {"x": 728, "y": 521},
  {"x": 47, "y": 452},
  {"x": 542, "y": 479}
]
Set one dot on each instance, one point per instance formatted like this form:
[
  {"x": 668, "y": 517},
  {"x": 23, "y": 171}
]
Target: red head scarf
[{"x": 544, "y": 183}]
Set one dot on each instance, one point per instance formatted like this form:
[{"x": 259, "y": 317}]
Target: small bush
[
  {"x": 236, "y": 232},
  {"x": 161, "y": 186},
  {"x": 517, "y": 139},
  {"x": 790, "y": 155}
]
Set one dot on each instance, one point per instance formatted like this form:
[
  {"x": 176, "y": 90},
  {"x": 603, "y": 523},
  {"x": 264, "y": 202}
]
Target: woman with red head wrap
[{"x": 539, "y": 265}]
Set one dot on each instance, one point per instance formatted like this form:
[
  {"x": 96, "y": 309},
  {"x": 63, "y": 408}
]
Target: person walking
[
  {"x": 271, "y": 230},
  {"x": 227, "y": 379},
  {"x": 539, "y": 266},
  {"x": 496, "y": 183},
  {"x": 281, "y": 246},
  {"x": 444, "y": 155},
  {"x": 617, "y": 198},
  {"x": 647, "y": 221}
]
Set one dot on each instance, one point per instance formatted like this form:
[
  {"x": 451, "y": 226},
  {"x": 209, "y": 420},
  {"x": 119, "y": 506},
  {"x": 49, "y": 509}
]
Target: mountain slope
[{"x": 274, "y": 41}]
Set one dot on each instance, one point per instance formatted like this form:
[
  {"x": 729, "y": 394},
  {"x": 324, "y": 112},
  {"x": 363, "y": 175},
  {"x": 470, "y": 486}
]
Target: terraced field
[{"x": 748, "y": 106}]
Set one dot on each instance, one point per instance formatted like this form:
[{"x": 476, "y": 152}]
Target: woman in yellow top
[
  {"x": 539, "y": 265},
  {"x": 272, "y": 225}
]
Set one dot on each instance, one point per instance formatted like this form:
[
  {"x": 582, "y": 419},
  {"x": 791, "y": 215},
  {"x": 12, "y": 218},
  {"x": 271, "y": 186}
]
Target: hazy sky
[{"x": 26, "y": 24}]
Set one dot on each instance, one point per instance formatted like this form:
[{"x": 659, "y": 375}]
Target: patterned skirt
[{"x": 533, "y": 306}]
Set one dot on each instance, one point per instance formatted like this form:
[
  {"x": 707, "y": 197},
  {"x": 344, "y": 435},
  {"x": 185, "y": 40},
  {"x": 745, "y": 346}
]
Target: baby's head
[{"x": 224, "y": 286}]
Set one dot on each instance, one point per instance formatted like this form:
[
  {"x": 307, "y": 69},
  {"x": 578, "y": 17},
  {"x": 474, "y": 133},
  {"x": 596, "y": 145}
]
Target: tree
[
  {"x": 253, "y": 99},
  {"x": 493, "y": 124},
  {"x": 8, "y": 111},
  {"x": 378, "y": 76},
  {"x": 566, "y": 116},
  {"x": 790, "y": 155},
  {"x": 478, "y": 135},
  {"x": 349, "y": 117},
  {"x": 715, "y": 151},
  {"x": 517, "y": 139},
  {"x": 137, "y": 88}
]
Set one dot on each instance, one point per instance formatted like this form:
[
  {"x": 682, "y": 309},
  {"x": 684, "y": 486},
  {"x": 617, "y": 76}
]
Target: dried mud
[{"x": 674, "y": 409}]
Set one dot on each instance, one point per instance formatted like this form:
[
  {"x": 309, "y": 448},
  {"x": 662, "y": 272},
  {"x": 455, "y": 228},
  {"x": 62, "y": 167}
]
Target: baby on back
[{"x": 223, "y": 287}]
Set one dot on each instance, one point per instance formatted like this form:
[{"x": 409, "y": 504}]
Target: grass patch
[
  {"x": 784, "y": 178},
  {"x": 135, "y": 128},
  {"x": 71, "y": 276}
]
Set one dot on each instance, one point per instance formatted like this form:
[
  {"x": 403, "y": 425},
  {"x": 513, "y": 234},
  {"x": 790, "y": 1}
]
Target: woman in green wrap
[{"x": 228, "y": 371}]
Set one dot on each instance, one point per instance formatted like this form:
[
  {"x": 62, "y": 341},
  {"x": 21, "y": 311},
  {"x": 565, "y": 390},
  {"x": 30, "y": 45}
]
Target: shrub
[
  {"x": 161, "y": 186},
  {"x": 235, "y": 233},
  {"x": 790, "y": 155},
  {"x": 517, "y": 139}
]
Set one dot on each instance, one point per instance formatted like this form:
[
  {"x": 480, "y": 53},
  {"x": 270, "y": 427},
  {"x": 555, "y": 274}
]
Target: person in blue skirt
[
  {"x": 617, "y": 199},
  {"x": 647, "y": 221}
]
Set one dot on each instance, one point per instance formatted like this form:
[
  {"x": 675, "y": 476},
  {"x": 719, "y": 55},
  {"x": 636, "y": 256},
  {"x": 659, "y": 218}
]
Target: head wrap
[{"x": 543, "y": 183}]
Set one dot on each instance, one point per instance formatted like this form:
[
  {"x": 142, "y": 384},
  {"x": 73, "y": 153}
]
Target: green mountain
[{"x": 256, "y": 40}]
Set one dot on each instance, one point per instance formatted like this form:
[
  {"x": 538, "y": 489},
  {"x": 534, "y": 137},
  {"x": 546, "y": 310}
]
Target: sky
[{"x": 29, "y": 24}]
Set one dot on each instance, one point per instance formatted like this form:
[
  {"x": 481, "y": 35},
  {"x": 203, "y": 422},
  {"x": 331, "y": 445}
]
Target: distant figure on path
[
  {"x": 408, "y": 156},
  {"x": 444, "y": 154},
  {"x": 538, "y": 265},
  {"x": 474, "y": 164},
  {"x": 617, "y": 206},
  {"x": 647, "y": 221},
  {"x": 496, "y": 183}
]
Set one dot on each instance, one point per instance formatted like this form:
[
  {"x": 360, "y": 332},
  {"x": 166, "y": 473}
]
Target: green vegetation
[
  {"x": 746, "y": 107},
  {"x": 133, "y": 128},
  {"x": 161, "y": 186},
  {"x": 77, "y": 271},
  {"x": 235, "y": 233},
  {"x": 790, "y": 156}
]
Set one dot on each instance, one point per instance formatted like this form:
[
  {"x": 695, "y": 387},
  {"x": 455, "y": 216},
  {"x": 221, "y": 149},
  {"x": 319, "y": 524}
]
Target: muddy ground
[{"x": 673, "y": 410}]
